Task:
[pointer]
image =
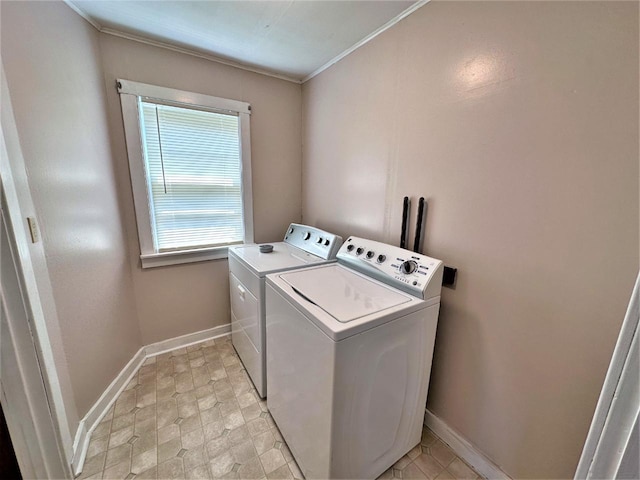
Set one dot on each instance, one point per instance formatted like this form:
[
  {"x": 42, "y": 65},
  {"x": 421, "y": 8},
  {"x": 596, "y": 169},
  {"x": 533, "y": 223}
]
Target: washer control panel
[
  {"x": 313, "y": 240},
  {"x": 406, "y": 270}
]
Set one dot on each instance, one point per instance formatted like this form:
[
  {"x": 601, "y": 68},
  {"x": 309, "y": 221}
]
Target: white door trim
[
  {"x": 619, "y": 403},
  {"x": 25, "y": 400},
  {"x": 35, "y": 277}
]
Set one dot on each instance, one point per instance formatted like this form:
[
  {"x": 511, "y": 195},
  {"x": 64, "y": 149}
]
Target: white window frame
[{"x": 131, "y": 93}]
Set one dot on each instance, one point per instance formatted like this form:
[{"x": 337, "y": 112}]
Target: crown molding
[
  {"x": 366, "y": 39},
  {"x": 80, "y": 12},
  {"x": 175, "y": 48},
  {"x": 194, "y": 53},
  {"x": 241, "y": 66}
]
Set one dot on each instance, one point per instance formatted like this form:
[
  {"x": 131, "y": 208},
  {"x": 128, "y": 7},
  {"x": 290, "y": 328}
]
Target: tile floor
[{"x": 193, "y": 413}]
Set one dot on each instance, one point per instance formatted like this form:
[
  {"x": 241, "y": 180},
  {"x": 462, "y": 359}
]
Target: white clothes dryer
[
  {"x": 349, "y": 351},
  {"x": 248, "y": 264}
]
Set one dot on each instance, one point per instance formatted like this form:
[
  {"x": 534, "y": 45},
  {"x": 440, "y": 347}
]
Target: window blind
[{"x": 193, "y": 169}]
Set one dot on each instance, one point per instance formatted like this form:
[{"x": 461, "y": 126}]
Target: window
[{"x": 190, "y": 165}]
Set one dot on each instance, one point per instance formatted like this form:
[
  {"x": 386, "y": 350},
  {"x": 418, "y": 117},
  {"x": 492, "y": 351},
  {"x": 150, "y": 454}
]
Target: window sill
[{"x": 151, "y": 260}]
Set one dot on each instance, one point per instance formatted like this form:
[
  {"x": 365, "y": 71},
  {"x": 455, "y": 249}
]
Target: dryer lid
[
  {"x": 343, "y": 293},
  {"x": 283, "y": 257}
]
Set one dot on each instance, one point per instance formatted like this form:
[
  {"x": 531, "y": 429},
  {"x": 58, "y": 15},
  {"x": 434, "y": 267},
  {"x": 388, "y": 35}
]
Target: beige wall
[
  {"x": 519, "y": 123},
  {"x": 177, "y": 300},
  {"x": 51, "y": 59},
  {"x": 71, "y": 133}
]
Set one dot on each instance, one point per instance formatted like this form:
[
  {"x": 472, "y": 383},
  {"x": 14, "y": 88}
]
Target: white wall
[{"x": 518, "y": 121}]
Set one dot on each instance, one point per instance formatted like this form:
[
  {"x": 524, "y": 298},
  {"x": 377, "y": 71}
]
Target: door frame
[
  {"x": 611, "y": 442},
  {"x": 37, "y": 295},
  {"x": 22, "y": 392}
]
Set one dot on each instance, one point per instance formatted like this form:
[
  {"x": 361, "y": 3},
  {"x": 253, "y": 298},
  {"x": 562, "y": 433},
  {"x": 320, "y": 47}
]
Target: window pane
[{"x": 194, "y": 176}]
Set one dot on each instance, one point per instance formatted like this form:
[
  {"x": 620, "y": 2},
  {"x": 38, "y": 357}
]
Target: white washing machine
[
  {"x": 302, "y": 246},
  {"x": 349, "y": 350}
]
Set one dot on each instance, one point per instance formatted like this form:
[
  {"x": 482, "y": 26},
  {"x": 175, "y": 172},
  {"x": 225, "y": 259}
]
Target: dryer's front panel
[{"x": 246, "y": 331}]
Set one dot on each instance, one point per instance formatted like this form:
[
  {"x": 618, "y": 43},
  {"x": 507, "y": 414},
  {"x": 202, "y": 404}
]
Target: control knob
[
  {"x": 359, "y": 251},
  {"x": 370, "y": 254},
  {"x": 381, "y": 258},
  {"x": 319, "y": 240},
  {"x": 306, "y": 236},
  {"x": 350, "y": 247},
  {"x": 408, "y": 267}
]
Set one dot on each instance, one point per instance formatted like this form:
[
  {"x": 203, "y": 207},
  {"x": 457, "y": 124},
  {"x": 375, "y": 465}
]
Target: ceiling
[{"x": 293, "y": 39}]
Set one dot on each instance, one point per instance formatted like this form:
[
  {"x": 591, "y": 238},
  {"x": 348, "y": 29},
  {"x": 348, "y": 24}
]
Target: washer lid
[
  {"x": 342, "y": 293},
  {"x": 283, "y": 257}
]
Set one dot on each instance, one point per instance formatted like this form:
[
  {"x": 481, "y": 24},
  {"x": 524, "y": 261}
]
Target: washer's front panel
[
  {"x": 382, "y": 378},
  {"x": 300, "y": 369},
  {"x": 352, "y": 408}
]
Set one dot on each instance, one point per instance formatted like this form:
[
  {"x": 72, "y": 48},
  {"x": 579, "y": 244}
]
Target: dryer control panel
[
  {"x": 313, "y": 240},
  {"x": 417, "y": 274}
]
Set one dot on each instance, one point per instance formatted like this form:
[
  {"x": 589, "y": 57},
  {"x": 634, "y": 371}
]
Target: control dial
[
  {"x": 319, "y": 240},
  {"x": 306, "y": 236},
  {"x": 359, "y": 251},
  {"x": 370, "y": 254},
  {"x": 408, "y": 267},
  {"x": 350, "y": 247}
]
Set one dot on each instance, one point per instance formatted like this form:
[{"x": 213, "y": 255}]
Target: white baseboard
[
  {"x": 108, "y": 398},
  {"x": 186, "y": 340},
  {"x": 80, "y": 445},
  {"x": 463, "y": 449},
  {"x": 100, "y": 408}
]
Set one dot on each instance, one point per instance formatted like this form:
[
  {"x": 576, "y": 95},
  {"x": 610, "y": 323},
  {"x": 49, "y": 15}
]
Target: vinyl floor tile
[{"x": 192, "y": 413}]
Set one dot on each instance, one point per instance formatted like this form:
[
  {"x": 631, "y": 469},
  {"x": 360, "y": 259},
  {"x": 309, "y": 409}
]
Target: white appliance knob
[{"x": 306, "y": 236}]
